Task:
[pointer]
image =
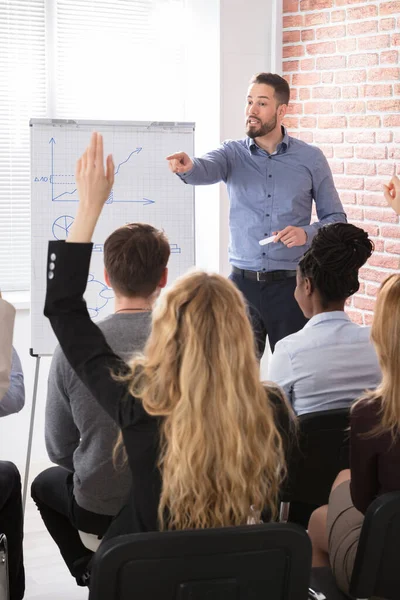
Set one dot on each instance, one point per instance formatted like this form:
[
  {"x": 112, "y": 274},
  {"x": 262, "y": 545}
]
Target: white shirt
[{"x": 326, "y": 365}]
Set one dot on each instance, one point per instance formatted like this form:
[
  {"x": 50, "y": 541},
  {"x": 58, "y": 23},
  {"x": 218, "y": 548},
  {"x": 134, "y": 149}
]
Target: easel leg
[{"x": 30, "y": 437}]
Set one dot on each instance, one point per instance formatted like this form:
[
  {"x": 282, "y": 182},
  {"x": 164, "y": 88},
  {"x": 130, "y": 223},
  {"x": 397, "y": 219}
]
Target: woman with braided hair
[{"x": 331, "y": 361}]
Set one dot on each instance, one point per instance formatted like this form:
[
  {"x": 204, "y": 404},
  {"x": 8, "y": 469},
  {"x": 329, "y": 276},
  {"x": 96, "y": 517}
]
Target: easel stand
[{"x": 31, "y": 427}]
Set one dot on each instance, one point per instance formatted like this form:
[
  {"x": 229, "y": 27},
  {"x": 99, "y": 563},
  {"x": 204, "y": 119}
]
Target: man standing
[{"x": 272, "y": 179}]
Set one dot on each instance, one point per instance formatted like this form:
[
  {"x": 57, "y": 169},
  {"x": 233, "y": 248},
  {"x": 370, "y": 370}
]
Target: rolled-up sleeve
[
  {"x": 328, "y": 205},
  {"x": 14, "y": 399}
]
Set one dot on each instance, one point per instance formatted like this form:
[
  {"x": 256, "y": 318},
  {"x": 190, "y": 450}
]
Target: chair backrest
[
  {"x": 237, "y": 563},
  {"x": 376, "y": 569},
  {"x": 322, "y": 451}
]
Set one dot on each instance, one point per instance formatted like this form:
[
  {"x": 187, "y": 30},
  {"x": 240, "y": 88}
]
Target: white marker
[{"x": 267, "y": 240}]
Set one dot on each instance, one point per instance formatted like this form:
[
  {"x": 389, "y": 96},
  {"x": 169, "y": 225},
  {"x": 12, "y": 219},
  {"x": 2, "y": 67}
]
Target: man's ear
[
  {"x": 282, "y": 110},
  {"x": 164, "y": 278},
  {"x": 107, "y": 279},
  {"x": 308, "y": 286}
]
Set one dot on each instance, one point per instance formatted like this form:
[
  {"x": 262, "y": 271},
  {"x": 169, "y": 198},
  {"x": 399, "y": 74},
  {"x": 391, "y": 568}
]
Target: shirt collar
[
  {"x": 333, "y": 315},
  {"x": 281, "y": 147}
]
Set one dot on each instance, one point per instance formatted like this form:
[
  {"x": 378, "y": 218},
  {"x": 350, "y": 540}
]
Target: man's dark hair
[
  {"x": 280, "y": 85},
  {"x": 135, "y": 257}
]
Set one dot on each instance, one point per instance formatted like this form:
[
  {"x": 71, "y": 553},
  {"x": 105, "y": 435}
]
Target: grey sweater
[{"x": 80, "y": 436}]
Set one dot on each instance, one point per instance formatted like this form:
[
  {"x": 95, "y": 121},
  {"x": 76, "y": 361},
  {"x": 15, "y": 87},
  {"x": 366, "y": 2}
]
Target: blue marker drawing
[
  {"x": 175, "y": 249},
  {"x": 61, "y": 227},
  {"x": 71, "y": 197},
  {"x": 97, "y": 296}
]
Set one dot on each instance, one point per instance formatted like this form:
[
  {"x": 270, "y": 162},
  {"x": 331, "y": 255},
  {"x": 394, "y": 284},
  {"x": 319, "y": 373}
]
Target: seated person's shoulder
[{"x": 365, "y": 413}]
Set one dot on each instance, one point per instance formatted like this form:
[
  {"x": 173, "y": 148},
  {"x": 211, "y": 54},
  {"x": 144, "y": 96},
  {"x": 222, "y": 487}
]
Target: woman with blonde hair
[
  {"x": 198, "y": 427},
  {"x": 374, "y": 449}
]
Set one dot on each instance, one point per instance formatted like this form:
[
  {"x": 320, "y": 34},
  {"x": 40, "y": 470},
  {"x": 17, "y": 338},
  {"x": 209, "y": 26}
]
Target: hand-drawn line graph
[
  {"x": 97, "y": 296},
  {"x": 72, "y": 196}
]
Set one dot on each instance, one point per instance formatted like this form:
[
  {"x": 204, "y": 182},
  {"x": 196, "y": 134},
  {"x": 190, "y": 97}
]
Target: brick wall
[{"x": 341, "y": 59}]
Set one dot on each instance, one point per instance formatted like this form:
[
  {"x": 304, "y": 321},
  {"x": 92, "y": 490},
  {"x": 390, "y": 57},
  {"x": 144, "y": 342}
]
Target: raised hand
[
  {"x": 180, "y": 162},
  {"x": 94, "y": 186},
  {"x": 392, "y": 193}
]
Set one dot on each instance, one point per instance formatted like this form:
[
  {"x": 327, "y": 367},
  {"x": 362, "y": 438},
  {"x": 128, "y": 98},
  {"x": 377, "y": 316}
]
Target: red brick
[
  {"x": 372, "y": 289},
  {"x": 331, "y": 62},
  {"x": 315, "y": 4},
  {"x": 354, "y": 213},
  {"x": 383, "y": 105},
  {"x": 316, "y": 18},
  {"x": 306, "y": 136},
  {"x": 295, "y": 134},
  {"x": 321, "y": 48},
  {"x": 360, "y": 137},
  {"x": 328, "y": 137},
  {"x": 332, "y": 122},
  {"x": 386, "y": 215},
  {"x": 348, "y": 197},
  {"x": 394, "y": 153},
  {"x": 350, "y": 107},
  {"x": 326, "y": 92},
  {"x": 350, "y": 76},
  {"x": 349, "y": 183},
  {"x": 386, "y": 168},
  {"x": 362, "y": 12},
  {"x": 395, "y": 39},
  {"x": 391, "y": 231},
  {"x": 371, "y": 152},
  {"x": 292, "y": 21},
  {"x": 350, "y": 91},
  {"x": 304, "y": 93},
  {"x": 344, "y": 151},
  {"x": 355, "y": 316},
  {"x": 388, "y": 8},
  {"x": 318, "y": 108},
  {"x": 368, "y": 318},
  {"x": 291, "y": 122},
  {"x": 306, "y": 78},
  {"x": 389, "y": 57},
  {"x": 288, "y": 51},
  {"x": 381, "y": 90},
  {"x": 327, "y": 77},
  {"x": 337, "y": 167},
  {"x": 338, "y": 15},
  {"x": 290, "y": 6},
  {"x": 361, "y": 289},
  {"x": 387, "y": 262},
  {"x": 288, "y": 78},
  {"x": 363, "y": 303},
  {"x": 346, "y": 45},
  {"x": 364, "y": 121},
  {"x": 308, "y": 122},
  {"x": 397, "y": 89},
  {"x": 387, "y": 24},
  {"x": 374, "y": 42},
  {"x": 337, "y": 31},
  {"x": 373, "y": 274},
  {"x": 294, "y": 93},
  {"x": 362, "y": 27},
  {"x": 372, "y": 230},
  {"x": 397, "y": 138},
  {"x": 384, "y": 137},
  {"x": 374, "y": 185},
  {"x": 295, "y": 109},
  {"x": 392, "y": 247},
  {"x": 291, "y": 36},
  {"x": 371, "y": 199},
  {"x": 365, "y": 168},
  {"x": 327, "y": 150},
  {"x": 379, "y": 245},
  {"x": 391, "y": 121},
  {"x": 385, "y": 74},
  {"x": 347, "y": 2},
  {"x": 307, "y": 35},
  {"x": 363, "y": 60},
  {"x": 307, "y": 64},
  {"x": 290, "y": 65}
]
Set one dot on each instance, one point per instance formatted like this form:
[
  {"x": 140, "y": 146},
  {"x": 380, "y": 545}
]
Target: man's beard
[{"x": 264, "y": 128}]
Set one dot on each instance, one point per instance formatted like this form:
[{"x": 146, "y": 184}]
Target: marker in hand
[{"x": 267, "y": 240}]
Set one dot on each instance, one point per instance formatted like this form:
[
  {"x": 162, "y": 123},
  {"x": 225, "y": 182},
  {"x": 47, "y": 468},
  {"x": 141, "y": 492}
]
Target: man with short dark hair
[
  {"x": 86, "y": 490},
  {"x": 272, "y": 180}
]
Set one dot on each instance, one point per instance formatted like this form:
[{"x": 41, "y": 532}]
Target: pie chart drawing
[{"x": 61, "y": 227}]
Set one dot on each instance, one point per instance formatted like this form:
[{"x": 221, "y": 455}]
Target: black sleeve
[{"x": 82, "y": 342}]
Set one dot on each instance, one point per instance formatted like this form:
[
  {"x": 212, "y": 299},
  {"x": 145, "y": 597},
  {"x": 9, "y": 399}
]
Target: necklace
[{"x": 125, "y": 309}]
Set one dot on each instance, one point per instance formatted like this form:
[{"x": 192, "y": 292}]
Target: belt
[{"x": 267, "y": 276}]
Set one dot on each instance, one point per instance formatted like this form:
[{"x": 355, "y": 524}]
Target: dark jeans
[
  {"x": 273, "y": 308},
  {"x": 11, "y": 524},
  {"x": 53, "y": 493}
]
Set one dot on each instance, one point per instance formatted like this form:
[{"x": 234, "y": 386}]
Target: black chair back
[
  {"x": 237, "y": 563},
  {"x": 377, "y": 566},
  {"x": 322, "y": 451}
]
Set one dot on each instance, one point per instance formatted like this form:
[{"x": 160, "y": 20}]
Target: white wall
[{"x": 232, "y": 40}]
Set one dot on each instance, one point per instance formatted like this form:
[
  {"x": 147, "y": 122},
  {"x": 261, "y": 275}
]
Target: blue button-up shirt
[
  {"x": 267, "y": 193},
  {"x": 328, "y": 364}
]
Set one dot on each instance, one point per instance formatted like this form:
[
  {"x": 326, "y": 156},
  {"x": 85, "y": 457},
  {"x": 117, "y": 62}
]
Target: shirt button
[
  {"x": 269, "y": 196},
  {"x": 269, "y": 156},
  {"x": 50, "y": 275},
  {"x": 269, "y": 175},
  {"x": 263, "y": 253},
  {"x": 267, "y": 214},
  {"x": 263, "y": 269},
  {"x": 53, "y": 256}
]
